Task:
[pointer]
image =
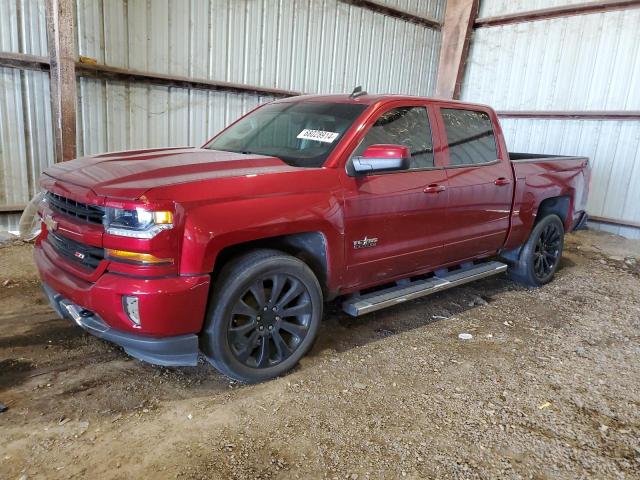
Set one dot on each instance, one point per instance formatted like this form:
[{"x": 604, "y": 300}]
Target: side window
[
  {"x": 408, "y": 126},
  {"x": 470, "y": 136}
]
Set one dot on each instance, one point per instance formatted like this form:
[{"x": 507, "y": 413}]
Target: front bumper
[
  {"x": 181, "y": 350},
  {"x": 171, "y": 309}
]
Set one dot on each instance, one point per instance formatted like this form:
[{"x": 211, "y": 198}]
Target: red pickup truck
[{"x": 230, "y": 250}]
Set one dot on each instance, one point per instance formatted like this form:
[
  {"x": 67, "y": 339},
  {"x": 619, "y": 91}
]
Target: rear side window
[
  {"x": 470, "y": 137},
  {"x": 408, "y": 126}
]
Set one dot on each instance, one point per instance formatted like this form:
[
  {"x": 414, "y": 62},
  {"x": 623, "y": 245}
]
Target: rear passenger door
[
  {"x": 393, "y": 219},
  {"x": 480, "y": 185}
]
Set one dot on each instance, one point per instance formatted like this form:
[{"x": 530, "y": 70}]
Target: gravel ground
[{"x": 548, "y": 387}]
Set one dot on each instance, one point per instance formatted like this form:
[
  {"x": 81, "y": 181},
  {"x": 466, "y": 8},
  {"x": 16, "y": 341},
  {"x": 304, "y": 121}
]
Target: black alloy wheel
[
  {"x": 269, "y": 320},
  {"x": 539, "y": 257},
  {"x": 547, "y": 251},
  {"x": 264, "y": 313}
]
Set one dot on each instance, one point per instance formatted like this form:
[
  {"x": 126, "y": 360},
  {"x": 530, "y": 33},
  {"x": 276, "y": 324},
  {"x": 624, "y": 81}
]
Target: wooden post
[
  {"x": 62, "y": 59},
  {"x": 456, "y": 36}
]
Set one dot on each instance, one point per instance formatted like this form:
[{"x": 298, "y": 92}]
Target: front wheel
[
  {"x": 264, "y": 315},
  {"x": 540, "y": 256}
]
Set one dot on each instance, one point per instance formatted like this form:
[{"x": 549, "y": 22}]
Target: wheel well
[
  {"x": 310, "y": 247},
  {"x": 555, "y": 205}
]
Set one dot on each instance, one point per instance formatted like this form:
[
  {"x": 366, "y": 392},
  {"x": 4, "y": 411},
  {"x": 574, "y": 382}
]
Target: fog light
[{"x": 130, "y": 306}]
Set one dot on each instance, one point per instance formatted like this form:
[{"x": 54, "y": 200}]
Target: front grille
[
  {"x": 77, "y": 252},
  {"x": 81, "y": 211}
]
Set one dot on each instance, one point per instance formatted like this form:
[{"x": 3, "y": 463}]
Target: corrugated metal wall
[
  {"x": 26, "y": 144},
  {"x": 303, "y": 45},
  {"x": 577, "y": 63},
  {"x": 23, "y": 27},
  {"x": 309, "y": 46},
  {"x": 119, "y": 116},
  {"x": 613, "y": 146}
]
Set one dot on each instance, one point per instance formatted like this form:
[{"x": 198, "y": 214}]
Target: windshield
[{"x": 302, "y": 134}]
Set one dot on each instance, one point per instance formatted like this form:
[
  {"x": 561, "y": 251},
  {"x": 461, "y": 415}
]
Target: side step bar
[{"x": 359, "y": 305}]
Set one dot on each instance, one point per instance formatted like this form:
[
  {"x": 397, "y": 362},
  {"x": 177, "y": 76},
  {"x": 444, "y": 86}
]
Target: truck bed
[
  {"x": 539, "y": 176},
  {"x": 540, "y": 157}
]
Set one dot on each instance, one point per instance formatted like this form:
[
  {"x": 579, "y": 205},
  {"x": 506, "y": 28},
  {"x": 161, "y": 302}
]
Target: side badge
[{"x": 365, "y": 243}]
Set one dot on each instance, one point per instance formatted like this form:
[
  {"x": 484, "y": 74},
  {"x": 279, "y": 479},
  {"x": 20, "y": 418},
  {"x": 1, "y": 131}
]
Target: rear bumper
[{"x": 168, "y": 351}]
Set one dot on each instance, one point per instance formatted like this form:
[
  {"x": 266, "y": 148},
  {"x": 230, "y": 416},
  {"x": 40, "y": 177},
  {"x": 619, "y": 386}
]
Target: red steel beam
[
  {"x": 12, "y": 208},
  {"x": 615, "y": 221},
  {"x": 107, "y": 72},
  {"x": 389, "y": 11},
  {"x": 556, "y": 12},
  {"x": 23, "y": 61},
  {"x": 62, "y": 73},
  {"x": 454, "y": 50}
]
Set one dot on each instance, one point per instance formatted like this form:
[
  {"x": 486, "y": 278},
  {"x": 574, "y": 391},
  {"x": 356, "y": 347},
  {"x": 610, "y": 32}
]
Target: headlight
[{"x": 138, "y": 223}]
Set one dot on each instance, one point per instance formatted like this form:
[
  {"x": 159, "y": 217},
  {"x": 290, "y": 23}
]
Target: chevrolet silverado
[{"x": 231, "y": 249}]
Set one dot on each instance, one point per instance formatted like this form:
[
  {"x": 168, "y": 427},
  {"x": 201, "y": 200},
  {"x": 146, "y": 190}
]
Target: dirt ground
[{"x": 548, "y": 388}]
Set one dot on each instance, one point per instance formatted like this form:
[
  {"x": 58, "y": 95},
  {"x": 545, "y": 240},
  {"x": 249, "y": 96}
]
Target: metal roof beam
[
  {"x": 23, "y": 61},
  {"x": 575, "y": 114},
  {"x": 107, "y": 72},
  {"x": 396, "y": 13},
  {"x": 556, "y": 12}
]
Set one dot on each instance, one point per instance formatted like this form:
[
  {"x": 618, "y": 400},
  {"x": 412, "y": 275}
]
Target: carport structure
[{"x": 81, "y": 76}]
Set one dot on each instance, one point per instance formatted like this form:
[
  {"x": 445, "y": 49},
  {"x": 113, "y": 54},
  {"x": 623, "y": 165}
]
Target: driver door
[{"x": 393, "y": 220}]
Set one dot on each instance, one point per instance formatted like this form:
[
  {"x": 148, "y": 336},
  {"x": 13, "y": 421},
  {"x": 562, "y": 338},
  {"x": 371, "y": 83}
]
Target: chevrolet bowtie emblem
[{"x": 50, "y": 223}]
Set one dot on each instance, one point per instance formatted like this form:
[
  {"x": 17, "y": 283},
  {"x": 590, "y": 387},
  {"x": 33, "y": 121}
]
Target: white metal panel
[
  {"x": 492, "y": 8},
  {"x": 13, "y": 153},
  {"x": 586, "y": 62},
  {"x": 612, "y": 146},
  {"x": 121, "y": 116},
  {"x": 26, "y": 143},
  {"x": 23, "y": 27},
  {"x": 26, "y": 136},
  {"x": 303, "y": 45},
  {"x": 25, "y": 133},
  {"x": 629, "y": 232},
  {"x": 10, "y": 222}
]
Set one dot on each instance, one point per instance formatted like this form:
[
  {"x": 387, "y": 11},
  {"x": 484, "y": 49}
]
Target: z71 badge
[{"x": 365, "y": 243}]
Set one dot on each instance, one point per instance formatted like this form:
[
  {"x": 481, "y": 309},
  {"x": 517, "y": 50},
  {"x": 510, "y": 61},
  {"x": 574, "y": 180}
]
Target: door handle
[
  {"x": 502, "y": 181},
  {"x": 434, "y": 188}
]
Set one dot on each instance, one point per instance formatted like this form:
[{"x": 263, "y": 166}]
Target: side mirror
[{"x": 382, "y": 158}]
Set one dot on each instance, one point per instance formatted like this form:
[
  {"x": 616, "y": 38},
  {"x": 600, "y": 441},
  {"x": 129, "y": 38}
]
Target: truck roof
[{"x": 367, "y": 99}]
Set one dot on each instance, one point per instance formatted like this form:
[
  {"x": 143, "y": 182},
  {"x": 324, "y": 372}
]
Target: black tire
[
  {"x": 263, "y": 316},
  {"x": 540, "y": 256}
]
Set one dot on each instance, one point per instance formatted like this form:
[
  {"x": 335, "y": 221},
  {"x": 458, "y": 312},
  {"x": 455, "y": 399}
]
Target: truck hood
[{"x": 130, "y": 174}]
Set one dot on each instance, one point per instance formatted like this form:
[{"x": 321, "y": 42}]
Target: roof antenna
[{"x": 357, "y": 92}]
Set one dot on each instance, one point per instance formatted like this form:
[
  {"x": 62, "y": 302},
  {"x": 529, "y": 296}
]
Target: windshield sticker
[{"x": 318, "y": 135}]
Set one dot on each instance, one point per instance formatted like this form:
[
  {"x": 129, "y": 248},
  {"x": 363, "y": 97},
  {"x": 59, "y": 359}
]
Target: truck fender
[{"x": 210, "y": 236}]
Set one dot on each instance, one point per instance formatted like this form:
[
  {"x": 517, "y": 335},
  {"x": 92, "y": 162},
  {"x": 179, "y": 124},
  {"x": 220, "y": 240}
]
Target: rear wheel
[
  {"x": 540, "y": 256},
  {"x": 263, "y": 316}
]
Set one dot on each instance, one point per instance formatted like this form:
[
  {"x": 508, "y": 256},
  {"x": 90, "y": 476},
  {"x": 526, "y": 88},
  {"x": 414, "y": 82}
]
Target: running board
[{"x": 359, "y": 305}]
